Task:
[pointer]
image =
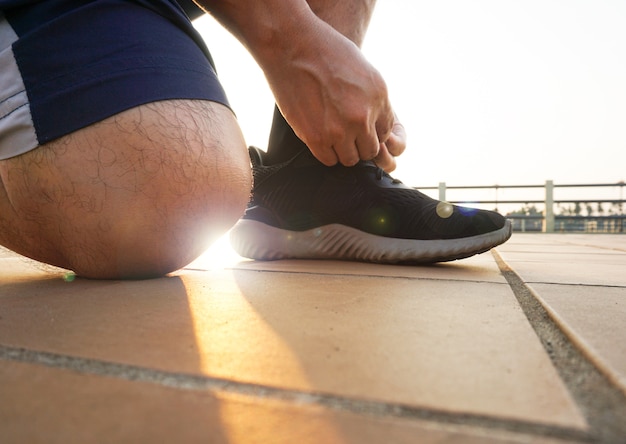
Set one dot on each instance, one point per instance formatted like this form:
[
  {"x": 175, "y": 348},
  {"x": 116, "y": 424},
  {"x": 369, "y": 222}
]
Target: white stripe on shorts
[{"x": 17, "y": 132}]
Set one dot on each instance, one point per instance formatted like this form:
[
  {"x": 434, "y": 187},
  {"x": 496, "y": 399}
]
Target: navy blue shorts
[{"x": 66, "y": 64}]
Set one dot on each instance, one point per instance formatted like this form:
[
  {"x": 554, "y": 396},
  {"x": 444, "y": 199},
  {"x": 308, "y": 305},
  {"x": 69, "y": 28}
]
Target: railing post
[
  {"x": 442, "y": 191},
  {"x": 548, "y": 223}
]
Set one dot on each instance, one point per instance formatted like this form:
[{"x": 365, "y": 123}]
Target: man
[{"x": 119, "y": 156}]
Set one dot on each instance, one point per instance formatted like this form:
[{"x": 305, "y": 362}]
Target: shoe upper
[{"x": 302, "y": 194}]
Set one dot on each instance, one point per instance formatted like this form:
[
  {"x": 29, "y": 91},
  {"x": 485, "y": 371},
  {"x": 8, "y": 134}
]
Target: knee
[
  {"x": 154, "y": 238},
  {"x": 182, "y": 194}
]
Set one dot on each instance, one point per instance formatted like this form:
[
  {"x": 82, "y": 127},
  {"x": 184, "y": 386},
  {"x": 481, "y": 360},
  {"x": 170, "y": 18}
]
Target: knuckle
[
  {"x": 350, "y": 161},
  {"x": 370, "y": 150}
]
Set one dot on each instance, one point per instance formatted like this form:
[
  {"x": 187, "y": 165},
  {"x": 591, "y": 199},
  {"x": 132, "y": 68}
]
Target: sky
[{"x": 490, "y": 91}]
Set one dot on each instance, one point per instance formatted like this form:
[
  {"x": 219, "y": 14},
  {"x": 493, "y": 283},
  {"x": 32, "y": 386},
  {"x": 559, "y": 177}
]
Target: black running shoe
[{"x": 305, "y": 210}]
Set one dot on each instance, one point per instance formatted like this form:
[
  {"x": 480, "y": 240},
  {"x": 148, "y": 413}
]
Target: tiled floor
[{"x": 525, "y": 344}]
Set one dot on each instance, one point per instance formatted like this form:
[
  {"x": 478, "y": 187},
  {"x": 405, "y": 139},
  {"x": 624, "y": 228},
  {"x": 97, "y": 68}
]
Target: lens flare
[
  {"x": 468, "y": 211},
  {"x": 444, "y": 210}
]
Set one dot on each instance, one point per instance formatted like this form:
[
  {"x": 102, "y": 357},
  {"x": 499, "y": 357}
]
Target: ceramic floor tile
[
  {"x": 562, "y": 270},
  {"x": 566, "y": 260},
  {"x": 596, "y": 318},
  {"x": 49, "y": 405},
  {"x": 607, "y": 242},
  {"x": 5, "y": 253},
  {"x": 559, "y": 248},
  {"x": 15, "y": 268},
  {"x": 448, "y": 345}
]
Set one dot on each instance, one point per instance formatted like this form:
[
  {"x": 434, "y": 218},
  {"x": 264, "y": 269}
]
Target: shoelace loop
[{"x": 380, "y": 173}]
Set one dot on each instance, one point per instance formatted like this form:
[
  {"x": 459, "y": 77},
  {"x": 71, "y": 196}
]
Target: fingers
[
  {"x": 381, "y": 143},
  {"x": 364, "y": 148},
  {"x": 384, "y": 159},
  {"x": 368, "y": 145},
  {"x": 348, "y": 155},
  {"x": 345, "y": 153},
  {"x": 363, "y": 141},
  {"x": 384, "y": 123},
  {"x": 348, "y": 151},
  {"x": 328, "y": 157},
  {"x": 396, "y": 143},
  {"x": 393, "y": 146}
]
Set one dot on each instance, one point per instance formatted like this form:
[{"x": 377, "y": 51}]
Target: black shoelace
[{"x": 380, "y": 173}]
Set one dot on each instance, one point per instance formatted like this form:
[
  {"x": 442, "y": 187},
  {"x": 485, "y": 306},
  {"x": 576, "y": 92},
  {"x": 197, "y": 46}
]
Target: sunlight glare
[{"x": 219, "y": 255}]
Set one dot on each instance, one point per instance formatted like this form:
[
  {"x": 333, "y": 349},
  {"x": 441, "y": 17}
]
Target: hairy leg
[{"x": 137, "y": 195}]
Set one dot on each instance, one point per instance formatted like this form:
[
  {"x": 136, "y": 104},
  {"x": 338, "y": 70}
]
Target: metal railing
[{"x": 550, "y": 220}]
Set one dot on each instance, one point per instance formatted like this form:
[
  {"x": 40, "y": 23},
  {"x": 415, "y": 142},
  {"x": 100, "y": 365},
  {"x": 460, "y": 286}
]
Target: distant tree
[
  {"x": 526, "y": 210},
  {"x": 527, "y": 225},
  {"x": 615, "y": 209},
  {"x": 565, "y": 210}
]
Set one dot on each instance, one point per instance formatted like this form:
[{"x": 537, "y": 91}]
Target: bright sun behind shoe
[{"x": 302, "y": 209}]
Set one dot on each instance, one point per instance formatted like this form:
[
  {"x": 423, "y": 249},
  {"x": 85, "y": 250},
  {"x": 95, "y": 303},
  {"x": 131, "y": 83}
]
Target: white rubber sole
[{"x": 256, "y": 240}]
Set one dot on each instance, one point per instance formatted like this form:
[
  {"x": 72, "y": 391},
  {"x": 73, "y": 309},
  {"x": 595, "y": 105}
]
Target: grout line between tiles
[
  {"x": 365, "y": 407},
  {"x": 370, "y": 276},
  {"x": 569, "y": 284},
  {"x": 602, "y": 403},
  {"x": 580, "y": 343}
]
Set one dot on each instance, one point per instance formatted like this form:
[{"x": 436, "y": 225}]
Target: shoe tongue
[
  {"x": 255, "y": 156},
  {"x": 305, "y": 159}
]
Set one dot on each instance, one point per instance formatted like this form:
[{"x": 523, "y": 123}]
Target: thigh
[
  {"x": 119, "y": 156},
  {"x": 138, "y": 194}
]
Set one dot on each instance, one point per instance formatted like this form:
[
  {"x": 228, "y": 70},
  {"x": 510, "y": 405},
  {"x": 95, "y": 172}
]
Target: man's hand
[
  {"x": 334, "y": 99},
  {"x": 392, "y": 147},
  {"x": 331, "y": 96}
]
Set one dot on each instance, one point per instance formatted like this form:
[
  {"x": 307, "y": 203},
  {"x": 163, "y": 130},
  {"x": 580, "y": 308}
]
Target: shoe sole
[{"x": 256, "y": 240}]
